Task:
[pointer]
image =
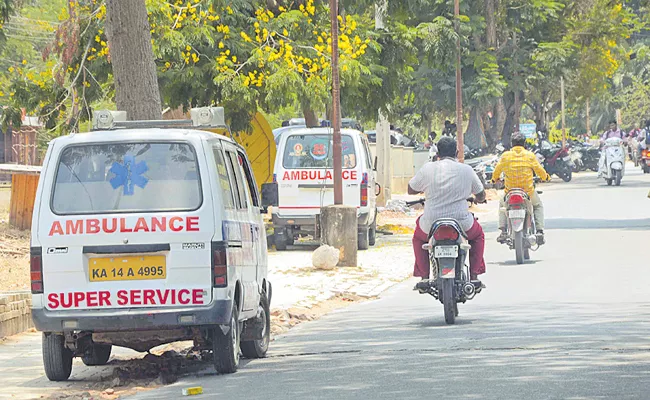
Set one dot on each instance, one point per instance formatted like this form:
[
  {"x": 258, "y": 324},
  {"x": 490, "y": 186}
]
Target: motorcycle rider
[
  {"x": 520, "y": 166},
  {"x": 613, "y": 132},
  {"x": 446, "y": 185}
]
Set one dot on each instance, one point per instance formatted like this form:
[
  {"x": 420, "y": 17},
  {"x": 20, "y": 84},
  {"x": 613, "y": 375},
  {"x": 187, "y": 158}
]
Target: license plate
[
  {"x": 130, "y": 268},
  {"x": 567, "y": 158},
  {"x": 445, "y": 251},
  {"x": 517, "y": 213}
]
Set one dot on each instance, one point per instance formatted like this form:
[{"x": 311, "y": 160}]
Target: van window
[
  {"x": 237, "y": 180},
  {"x": 314, "y": 151},
  {"x": 250, "y": 179},
  {"x": 126, "y": 177},
  {"x": 366, "y": 150},
  {"x": 224, "y": 179}
]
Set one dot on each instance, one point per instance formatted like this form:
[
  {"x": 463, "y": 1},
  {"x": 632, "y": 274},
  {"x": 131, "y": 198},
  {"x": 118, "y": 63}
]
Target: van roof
[
  {"x": 322, "y": 131},
  {"x": 145, "y": 134}
]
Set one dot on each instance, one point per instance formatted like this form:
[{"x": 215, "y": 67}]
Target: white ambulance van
[
  {"x": 304, "y": 183},
  {"x": 145, "y": 233}
]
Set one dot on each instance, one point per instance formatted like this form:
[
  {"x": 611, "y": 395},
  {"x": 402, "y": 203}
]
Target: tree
[{"x": 134, "y": 68}]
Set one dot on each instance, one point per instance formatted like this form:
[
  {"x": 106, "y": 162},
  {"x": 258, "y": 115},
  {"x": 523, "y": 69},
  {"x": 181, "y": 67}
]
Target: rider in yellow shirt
[{"x": 519, "y": 167}]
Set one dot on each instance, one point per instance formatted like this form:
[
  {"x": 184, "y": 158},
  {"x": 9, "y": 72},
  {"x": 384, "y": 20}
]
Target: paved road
[{"x": 572, "y": 324}]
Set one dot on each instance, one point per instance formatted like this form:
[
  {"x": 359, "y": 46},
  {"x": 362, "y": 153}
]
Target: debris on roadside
[
  {"x": 325, "y": 257},
  {"x": 193, "y": 391}
]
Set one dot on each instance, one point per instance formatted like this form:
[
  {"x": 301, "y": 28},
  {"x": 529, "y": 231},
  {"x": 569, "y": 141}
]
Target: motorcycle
[
  {"x": 633, "y": 151},
  {"x": 645, "y": 161},
  {"x": 521, "y": 225},
  {"x": 450, "y": 277},
  {"x": 555, "y": 159},
  {"x": 612, "y": 167}
]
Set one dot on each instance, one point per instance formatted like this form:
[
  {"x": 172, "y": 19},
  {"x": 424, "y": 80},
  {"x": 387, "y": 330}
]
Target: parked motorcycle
[
  {"x": 555, "y": 159},
  {"x": 450, "y": 277},
  {"x": 521, "y": 225},
  {"x": 613, "y": 167}
]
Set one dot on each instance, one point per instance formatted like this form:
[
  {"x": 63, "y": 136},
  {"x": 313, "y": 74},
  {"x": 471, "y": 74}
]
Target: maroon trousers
[{"x": 476, "y": 239}]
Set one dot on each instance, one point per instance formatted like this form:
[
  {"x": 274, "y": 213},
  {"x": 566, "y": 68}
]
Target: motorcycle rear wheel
[
  {"x": 519, "y": 247},
  {"x": 618, "y": 175},
  {"x": 449, "y": 300}
]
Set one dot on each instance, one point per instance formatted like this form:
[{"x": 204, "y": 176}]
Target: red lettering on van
[
  {"x": 174, "y": 227},
  {"x": 113, "y": 227},
  {"x": 317, "y": 175},
  {"x": 123, "y": 227},
  {"x": 74, "y": 227},
  {"x": 159, "y": 224},
  {"x": 181, "y": 293},
  {"x": 148, "y": 297},
  {"x": 92, "y": 226},
  {"x": 91, "y": 299},
  {"x": 104, "y": 298},
  {"x": 110, "y": 225},
  {"x": 122, "y": 298},
  {"x": 192, "y": 224},
  {"x": 197, "y": 296},
  {"x": 56, "y": 229},
  {"x": 52, "y": 301},
  {"x": 141, "y": 225}
]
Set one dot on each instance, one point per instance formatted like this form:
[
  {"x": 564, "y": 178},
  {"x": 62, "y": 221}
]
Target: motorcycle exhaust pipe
[
  {"x": 469, "y": 289},
  {"x": 532, "y": 239}
]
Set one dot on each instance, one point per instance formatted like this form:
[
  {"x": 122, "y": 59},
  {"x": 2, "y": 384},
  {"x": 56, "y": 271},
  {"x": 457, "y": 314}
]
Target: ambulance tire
[
  {"x": 225, "y": 346},
  {"x": 364, "y": 238},
  {"x": 372, "y": 234},
  {"x": 98, "y": 355},
  {"x": 258, "y": 348},
  {"x": 57, "y": 359},
  {"x": 280, "y": 241}
]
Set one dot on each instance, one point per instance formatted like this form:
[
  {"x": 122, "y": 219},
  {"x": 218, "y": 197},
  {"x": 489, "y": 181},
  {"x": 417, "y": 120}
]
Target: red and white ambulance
[
  {"x": 146, "y": 233},
  {"x": 303, "y": 173}
]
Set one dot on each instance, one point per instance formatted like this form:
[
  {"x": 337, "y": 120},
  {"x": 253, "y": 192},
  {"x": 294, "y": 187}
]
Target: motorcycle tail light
[
  {"x": 446, "y": 232},
  {"x": 516, "y": 199}
]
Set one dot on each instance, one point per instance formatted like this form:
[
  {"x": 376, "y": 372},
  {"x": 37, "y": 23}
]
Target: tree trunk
[
  {"x": 311, "y": 119},
  {"x": 490, "y": 23},
  {"x": 131, "y": 52},
  {"x": 474, "y": 136}
]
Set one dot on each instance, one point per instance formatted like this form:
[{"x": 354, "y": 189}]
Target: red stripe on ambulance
[{"x": 111, "y": 225}]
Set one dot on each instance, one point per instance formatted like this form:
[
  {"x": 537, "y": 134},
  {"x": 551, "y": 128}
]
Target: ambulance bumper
[
  {"x": 218, "y": 313},
  {"x": 363, "y": 218}
]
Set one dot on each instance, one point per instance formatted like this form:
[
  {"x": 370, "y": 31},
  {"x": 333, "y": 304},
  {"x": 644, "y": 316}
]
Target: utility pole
[
  {"x": 588, "y": 118},
  {"x": 563, "y": 119},
  {"x": 459, "y": 86},
  {"x": 382, "y": 149},
  {"x": 339, "y": 226},
  {"x": 336, "y": 106}
]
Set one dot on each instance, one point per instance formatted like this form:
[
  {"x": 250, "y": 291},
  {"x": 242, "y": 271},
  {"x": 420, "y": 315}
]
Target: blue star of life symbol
[{"x": 129, "y": 175}]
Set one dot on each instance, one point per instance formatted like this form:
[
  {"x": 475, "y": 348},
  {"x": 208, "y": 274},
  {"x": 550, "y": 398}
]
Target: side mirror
[{"x": 270, "y": 195}]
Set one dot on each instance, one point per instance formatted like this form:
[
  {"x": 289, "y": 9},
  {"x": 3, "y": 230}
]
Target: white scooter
[{"x": 612, "y": 161}]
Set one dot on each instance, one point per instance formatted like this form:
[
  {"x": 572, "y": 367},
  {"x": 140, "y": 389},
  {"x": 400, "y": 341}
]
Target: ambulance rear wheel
[
  {"x": 364, "y": 238},
  {"x": 97, "y": 355},
  {"x": 372, "y": 235},
  {"x": 225, "y": 346},
  {"x": 57, "y": 359},
  {"x": 280, "y": 240}
]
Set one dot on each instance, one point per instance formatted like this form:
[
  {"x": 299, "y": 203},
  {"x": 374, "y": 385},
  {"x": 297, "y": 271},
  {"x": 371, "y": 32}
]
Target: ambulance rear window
[
  {"x": 127, "y": 177},
  {"x": 314, "y": 151}
]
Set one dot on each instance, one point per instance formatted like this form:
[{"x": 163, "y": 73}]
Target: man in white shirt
[{"x": 447, "y": 184}]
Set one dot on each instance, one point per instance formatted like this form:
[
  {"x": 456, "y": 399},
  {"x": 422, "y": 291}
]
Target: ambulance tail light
[
  {"x": 364, "y": 190},
  {"x": 36, "y": 269},
  {"x": 219, "y": 265}
]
